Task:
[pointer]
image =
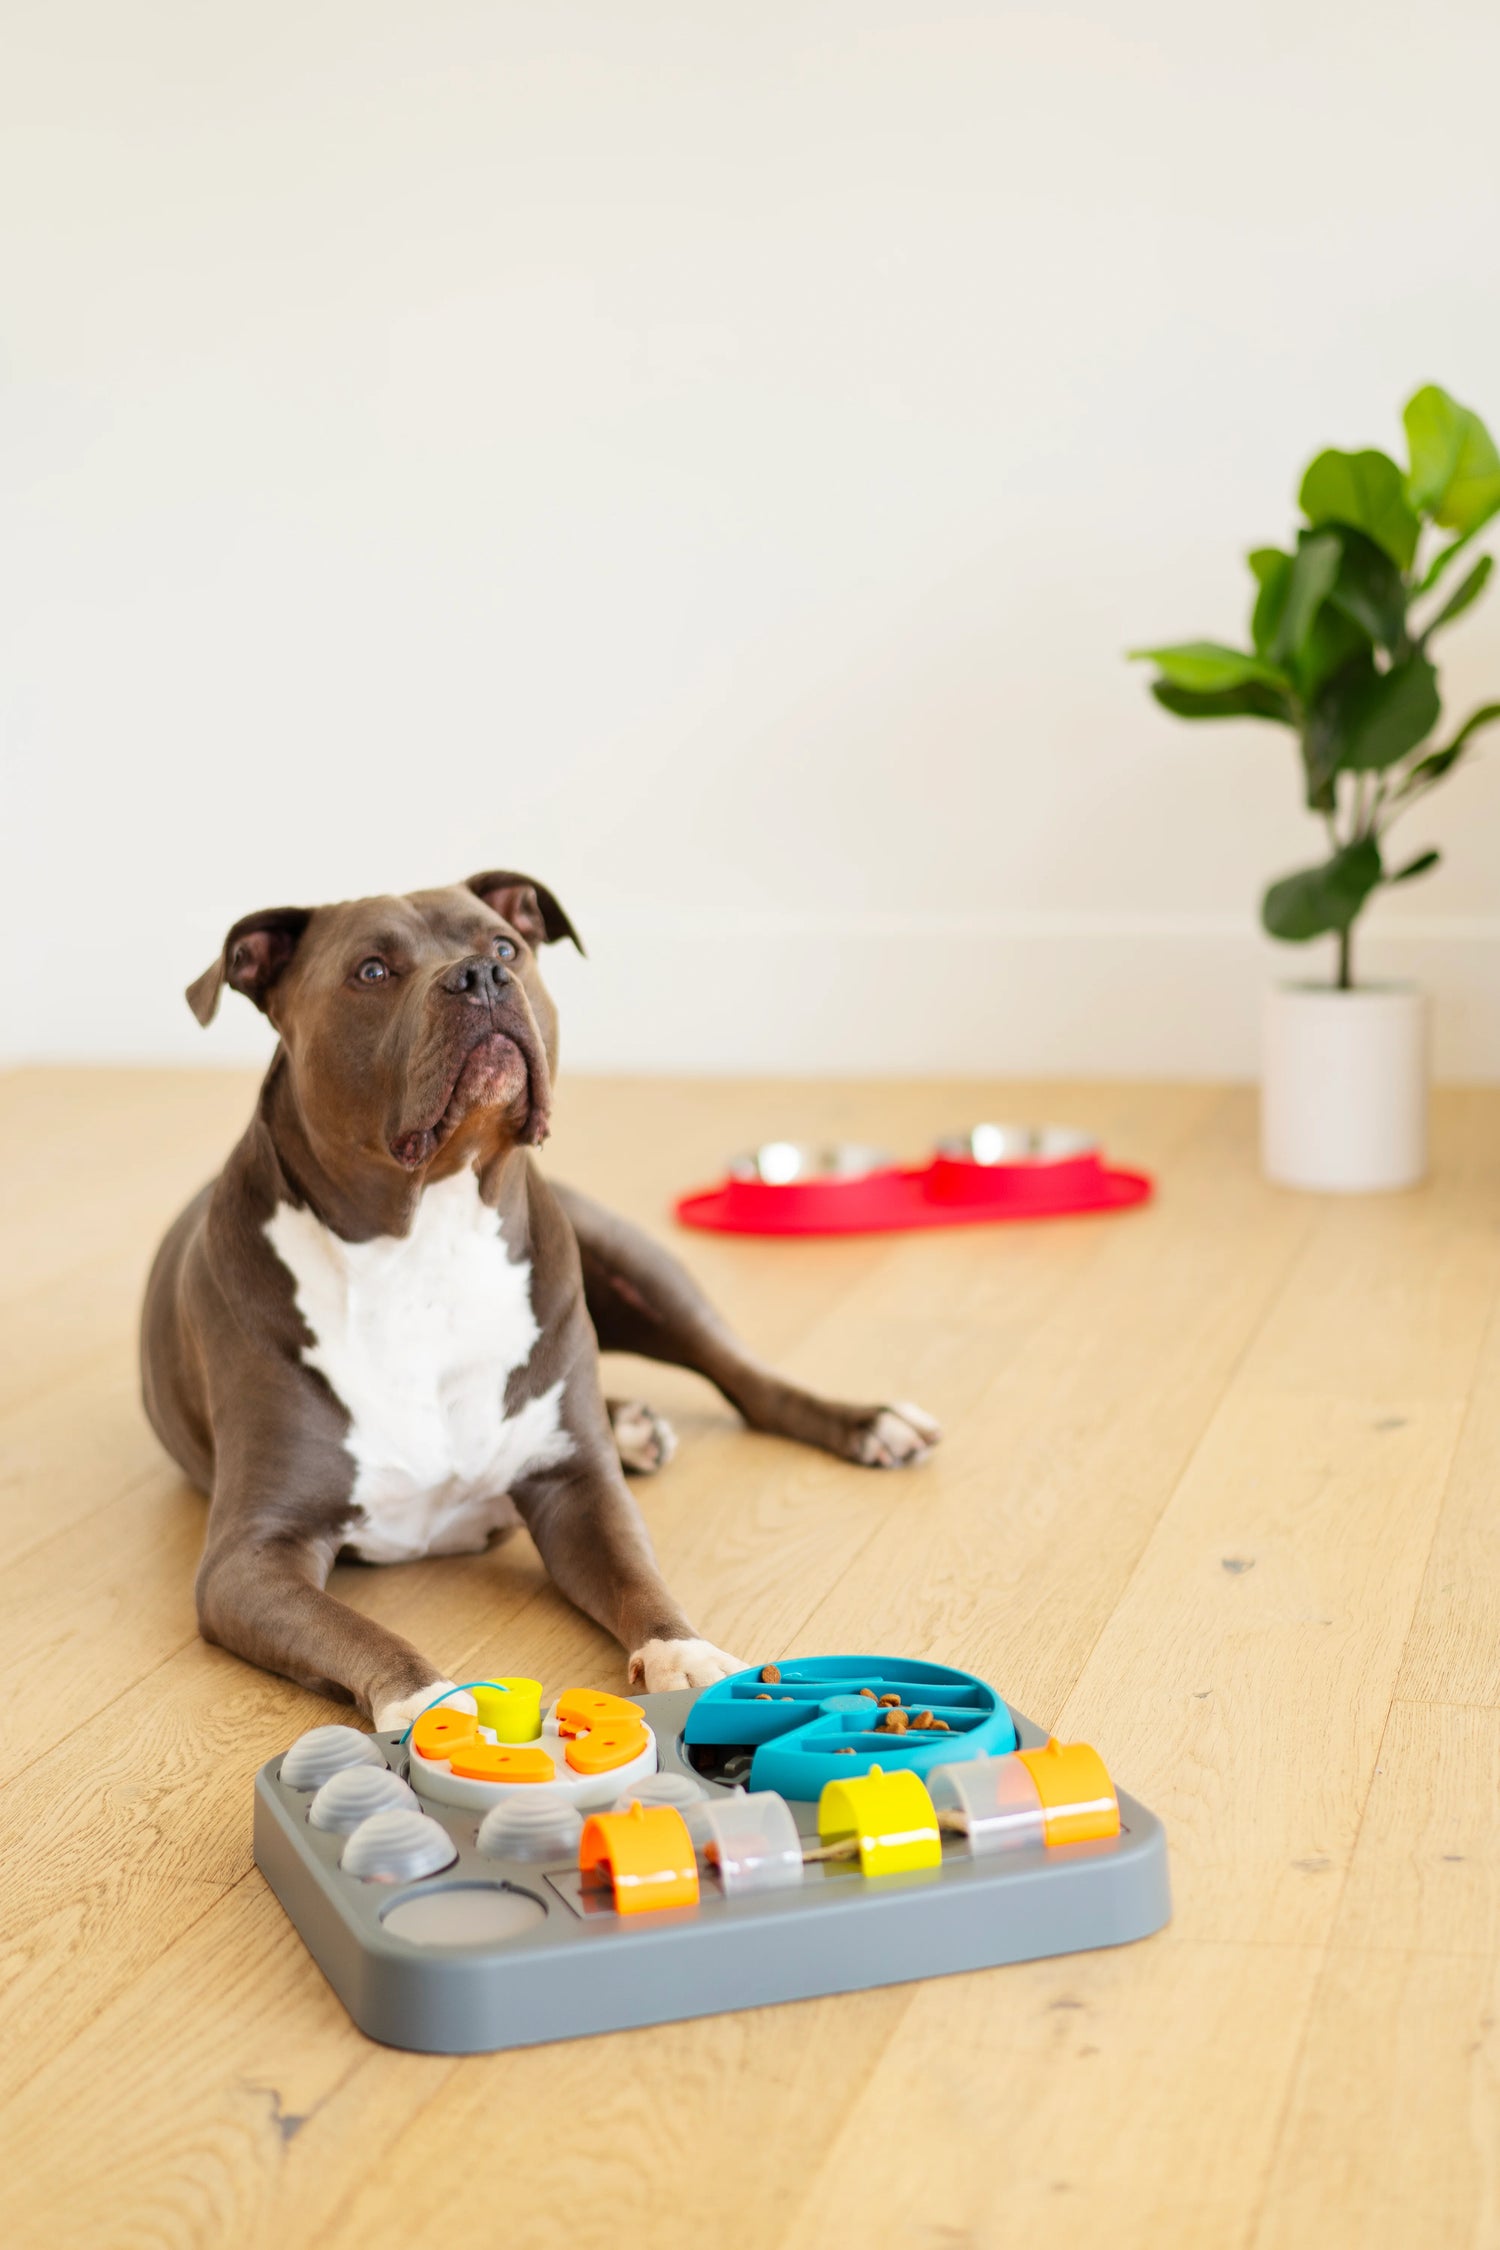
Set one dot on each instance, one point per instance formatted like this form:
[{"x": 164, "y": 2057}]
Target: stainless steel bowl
[
  {"x": 785, "y": 1163},
  {"x": 1017, "y": 1144}
]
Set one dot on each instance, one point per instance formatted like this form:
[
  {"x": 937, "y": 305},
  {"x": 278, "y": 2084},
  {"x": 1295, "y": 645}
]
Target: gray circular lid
[
  {"x": 351, "y": 1795},
  {"x": 541, "y": 1825},
  {"x": 458, "y": 1914},
  {"x": 398, "y": 1846},
  {"x": 324, "y": 1751},
  {"x": 663, "y": 1789}
]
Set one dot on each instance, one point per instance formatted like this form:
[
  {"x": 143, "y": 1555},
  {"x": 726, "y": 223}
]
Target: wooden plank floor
[{"x": 1218, "y": 1494}]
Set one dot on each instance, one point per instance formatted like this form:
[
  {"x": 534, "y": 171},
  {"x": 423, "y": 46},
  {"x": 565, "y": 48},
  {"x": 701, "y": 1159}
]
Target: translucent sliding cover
[
  {"x": 752, "y": 1841},
  {"x": 998, "y": 1799}
]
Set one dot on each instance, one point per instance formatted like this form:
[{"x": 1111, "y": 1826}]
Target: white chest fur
[{"x": 417, "y": 1336}]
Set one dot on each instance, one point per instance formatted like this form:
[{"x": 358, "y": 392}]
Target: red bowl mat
[{"x": 889, "y": 1202}]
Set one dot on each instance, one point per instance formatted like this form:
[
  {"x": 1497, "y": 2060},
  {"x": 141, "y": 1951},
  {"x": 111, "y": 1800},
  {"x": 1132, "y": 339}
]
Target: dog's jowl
[{"x": 376, "y": 1333}]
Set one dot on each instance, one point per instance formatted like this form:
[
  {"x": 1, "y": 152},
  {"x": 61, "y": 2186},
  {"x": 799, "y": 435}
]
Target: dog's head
[{"x": 403, "y": 1019}]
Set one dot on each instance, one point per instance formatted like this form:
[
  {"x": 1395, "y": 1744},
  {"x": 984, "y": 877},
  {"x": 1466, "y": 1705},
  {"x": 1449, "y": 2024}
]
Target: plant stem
[{"x": 1346, "y": 966}]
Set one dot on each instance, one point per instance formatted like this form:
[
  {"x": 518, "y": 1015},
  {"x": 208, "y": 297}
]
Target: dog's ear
[
  {"x": 255, "y": 952},
  {"x": 528, "y": 907}
]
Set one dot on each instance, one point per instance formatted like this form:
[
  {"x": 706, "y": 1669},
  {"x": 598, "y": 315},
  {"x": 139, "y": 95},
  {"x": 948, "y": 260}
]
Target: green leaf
[
  {"x": 1474, "y": 495},
  {"x": 1313, "y": 572},
  {"x": 1207, "y": 666},
  {"x": 1332, "y": 643},
  {"x": 1368, "y": 491},
  {"x": 1434, "y": 438},
  {"x": 1369, "y": 590},
  {"x": 1252, "y": 701},
  {"x": 1326, "y": 726},
  {"x": 1318, "y": 899},
  {"x": 1386, "y": 716},
  {"x": 1455, "y": 469},
  {"x": 1418, "y": 866},
  {"x": 1467, "y": 593},
  {"x": 1273, "y": 572},
  {"x": 1439, "y": 762}
]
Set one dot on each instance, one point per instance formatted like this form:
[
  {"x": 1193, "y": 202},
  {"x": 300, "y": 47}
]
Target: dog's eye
[
  {"x": 504, "y": 950},
  {"x": 372, "y": 971}
]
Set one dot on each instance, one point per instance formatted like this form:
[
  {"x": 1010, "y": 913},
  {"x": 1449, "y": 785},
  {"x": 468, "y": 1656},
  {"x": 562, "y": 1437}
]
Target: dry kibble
[
  {"x": 845, "y": 1753},
  {"x": 942, "y": 1726},
  {"x": 869, "y": 1691},
  {"x": 762, "y": 1699},
  {"x": 922, "y": 1719},
  {"x": 889, "y": 1702},
  {"x": 770, "y": 1673},
  {"x": 896, "y": 1722}
]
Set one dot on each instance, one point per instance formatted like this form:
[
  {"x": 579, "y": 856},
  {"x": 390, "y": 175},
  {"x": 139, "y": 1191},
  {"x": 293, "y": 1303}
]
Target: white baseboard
[{"x": 1059, "y": 995}]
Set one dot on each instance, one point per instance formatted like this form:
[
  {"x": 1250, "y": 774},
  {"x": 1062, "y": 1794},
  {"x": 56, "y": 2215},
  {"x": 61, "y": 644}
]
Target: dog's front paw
[
  {"x": 397, "y": 1715},
  {"x": 678, "y": 1664},
  {"x": 893, "y": 1437},
  {"x": 644, "y": 1440}
]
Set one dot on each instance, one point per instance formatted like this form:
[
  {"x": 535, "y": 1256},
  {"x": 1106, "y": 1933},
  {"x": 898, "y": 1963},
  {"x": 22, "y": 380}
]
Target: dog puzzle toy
[
  {"x": 823, "y": 1826},
  {"x": 991, "y": 1172}
]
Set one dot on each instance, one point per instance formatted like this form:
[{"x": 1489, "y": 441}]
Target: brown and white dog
[{"x": 377, "y": 1331}]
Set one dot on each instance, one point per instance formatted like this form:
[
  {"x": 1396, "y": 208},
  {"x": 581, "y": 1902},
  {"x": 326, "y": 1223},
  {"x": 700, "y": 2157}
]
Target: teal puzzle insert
[{"x": 815, "y": 1712}]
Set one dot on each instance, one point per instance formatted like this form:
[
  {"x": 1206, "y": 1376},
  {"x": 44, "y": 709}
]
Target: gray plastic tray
[{"x": 582, "y": 1969}]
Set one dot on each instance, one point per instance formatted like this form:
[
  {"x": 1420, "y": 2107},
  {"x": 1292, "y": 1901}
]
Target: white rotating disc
[{"x": 432, "y": 1778}]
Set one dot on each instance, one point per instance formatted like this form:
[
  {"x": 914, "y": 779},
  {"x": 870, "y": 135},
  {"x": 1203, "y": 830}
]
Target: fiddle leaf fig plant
[{"x": 1341, "y": 632}]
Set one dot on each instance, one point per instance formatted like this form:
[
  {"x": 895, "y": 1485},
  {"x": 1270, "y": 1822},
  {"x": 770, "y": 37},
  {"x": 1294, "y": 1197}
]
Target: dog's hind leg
[
  {"x": 641, "y": 1300},
  {"x": 644, "y": 1439}
]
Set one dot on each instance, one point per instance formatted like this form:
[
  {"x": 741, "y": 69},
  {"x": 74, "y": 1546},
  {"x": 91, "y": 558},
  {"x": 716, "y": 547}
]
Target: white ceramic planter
[{"x": 1344, "y": 1087}]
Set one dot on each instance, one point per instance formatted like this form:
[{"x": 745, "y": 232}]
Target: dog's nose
[{"x": 481, "y": 978}]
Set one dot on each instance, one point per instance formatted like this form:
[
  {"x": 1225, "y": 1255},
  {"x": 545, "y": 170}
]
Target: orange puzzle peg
[
  {"x": 604, "y": 1747},
  {"x": 580, "y": 1710},
  {"x": 441, "y": 1730},
  {"x": 501, "y": 1761},
  {"x": 1078, "y": 1797},
  {"x": 647, "y": 1854}
]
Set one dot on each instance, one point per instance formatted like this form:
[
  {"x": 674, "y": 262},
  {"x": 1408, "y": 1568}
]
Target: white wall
[{"x": 711, "y": 453}]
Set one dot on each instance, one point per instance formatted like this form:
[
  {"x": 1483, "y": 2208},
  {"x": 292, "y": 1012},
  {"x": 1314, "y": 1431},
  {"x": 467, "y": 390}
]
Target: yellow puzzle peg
[
  {"x": 511, "y": 1708},
  {"x": 890, "y": 1814}
]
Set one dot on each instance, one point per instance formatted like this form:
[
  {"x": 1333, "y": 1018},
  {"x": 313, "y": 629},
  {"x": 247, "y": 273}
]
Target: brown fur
[{"x": 376, "y": 1090}]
